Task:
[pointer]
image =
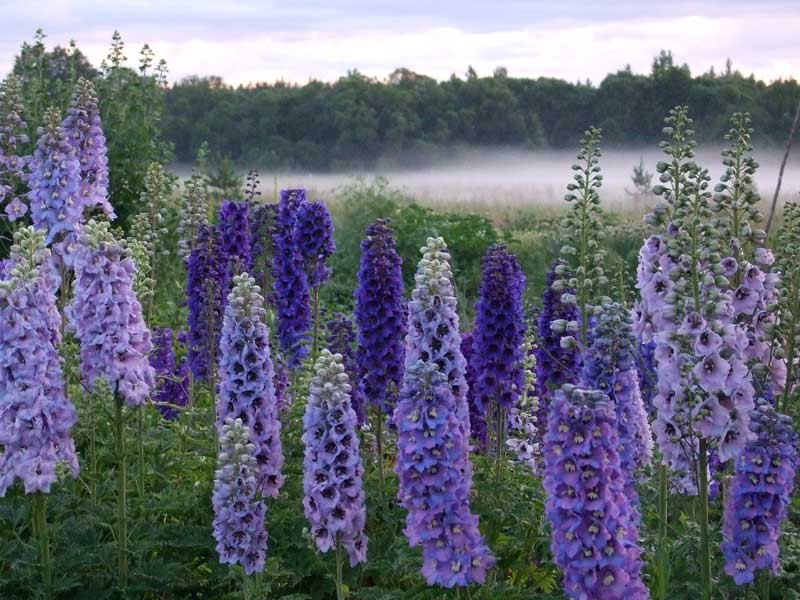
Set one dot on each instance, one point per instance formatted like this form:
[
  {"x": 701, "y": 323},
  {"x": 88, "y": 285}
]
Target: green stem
[
  {"x": 315, "y": 346},
  {"x": 339, "y": 561},
  {"x": 661, "y": 548},
  {"x": 245, "y": 587},
  {"x": 140, "y": 441},
  {"x": 705, "y": 548},
  {"x": 41, "y": 533},
  {"x": 93, "y": 444},
  {"x": 122, "y": 502},
  {"x": 501, "y": 429},
  {"x": 378, "y": 417}
]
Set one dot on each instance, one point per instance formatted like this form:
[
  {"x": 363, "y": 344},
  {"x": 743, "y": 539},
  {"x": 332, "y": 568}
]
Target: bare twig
[{"x": 792, "y": 133}]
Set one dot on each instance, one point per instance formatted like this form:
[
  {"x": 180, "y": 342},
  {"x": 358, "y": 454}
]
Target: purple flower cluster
[
  {"x": 238, "y": 513},
  {"x": 703, "y": 389},
  {"x": 499, "y": 331},
  {"x": 594, "y": 536},
  {"x": 332, "y": 470},
  {"x": 646, "y": 370},
  {"x": 290, "y": 282},
  {"x": 35, "y": 414},
  {"x": 477, "y": 417},
  {"x": 107, "y": 317},
  {"x": 341, "y": 340},
  {"x": 84, "y": 133},
  {"x": 55, "y": 177},
  {"x": 246, "y": 388},
  {"x": 435, "y": 479},
  {"x": 283, "y": 394},
  {"x": 234, "y": 240},
  {"x": 172, "y": 377},
  {"x": 12, "y": 135},
  {"x": 313, "y": 238},
  {"x": 758, "y": 495},
  {"x": 432, "y": 421},
  {"x": 380, "y": 317},
  {"x": 557, "y": 363},
  {"x": 204, "y": 299},
  {"x": 262, "y": 229}
]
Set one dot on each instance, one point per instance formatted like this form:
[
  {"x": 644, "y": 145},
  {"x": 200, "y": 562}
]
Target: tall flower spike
[
  {"x": 262, "y": 229},
  {"x": 107, "y": 318},
  {"x": 524, "y": 440},
  {"x": 238, "y": 513},
  {"x": 246, "y": 388},
  {"x": 557, "y": 362},
  {"x": 313, "y": 237},
  {"x": 193, "y": 213},
  {"x": 54, "y": 181},
  {"x": 290, "y": 283},
  {"x": 594, "y": 536},
  {"x": 12, "y": 136},
  {"x": 609, "y": 366},
  {"x": 435, "y": 482},
  {"x": 332, "y": 470},
  {"x": 84, "y": 132},
  {"x": 432, "y": 421},
  {"x": 172, "y": 377},
  {"x": 787, "y": 330},
  {"x": 704, "y": 395},
  {"x": 477, "y": 416},
  {"x": 582, "y": 230},
  {"x": 204, "y": 300},
  {"x": 380, "y": 317},
  {"x": 341, "y": 339},
  {"x": 736, "y": 204},
  {"x": 758, "y": 495},
  {"x": 499, "y": 335},
  {"x": 235, "y": 238},
  {"x": 35, "y": 414}
]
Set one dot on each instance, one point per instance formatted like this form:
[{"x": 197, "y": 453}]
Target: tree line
[{"x": 410, "y": 119}]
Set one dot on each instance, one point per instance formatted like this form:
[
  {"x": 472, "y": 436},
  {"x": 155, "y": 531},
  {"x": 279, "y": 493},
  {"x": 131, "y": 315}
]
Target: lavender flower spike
[
  {"x": 107, "y": 318},
  {"x": 172, "y": 377},
  {"x": 238, "y": 513},
  {"x": 35, "y": 414},
  {"x": 758, "y": 495},
  {"x": 340, "y": 339},
  {"x": 12, "y": 136},
  {"x": 246, "y": 387},
  {"x": 332, "y": 469},
  {"x": 235, "y": 238},
  {"x": 84, "y": 133}
]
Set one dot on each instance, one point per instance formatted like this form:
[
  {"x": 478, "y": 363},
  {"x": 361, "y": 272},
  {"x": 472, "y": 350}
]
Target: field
[{"x": 216, "y": 386}]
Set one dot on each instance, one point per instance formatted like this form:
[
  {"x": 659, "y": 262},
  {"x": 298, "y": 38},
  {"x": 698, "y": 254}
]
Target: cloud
[{"x": 250, "y": 41}]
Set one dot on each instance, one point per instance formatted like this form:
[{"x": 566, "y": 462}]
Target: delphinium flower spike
[
  {"x": 380, "y": 318},
  {"x": 172, "y": 377},
  {"x": 582, "y": 231},
  {"x": 107, "y": 318},
  {"x": 234, "y": 233},
  {"x": 238, "y": 512},
  {"x": 525, "y": 438},
  {"x": 557, "y": 358},
  {"x": 477, "y": 416},
  {"x": 54, "y": 182},
  {"x": 755, "y": 282},
  {"x": 12, "y": 137},
  {"x": 36, "y": 416},
  {"x": 204, "y": 300},
  {"x": 290, "y": 282},
  {"x": 340, "y": 339},
  {"x": 498, "y": 339},
  {"x": 194, "y": 210},
  {"x": 609, "y": 366},
  {"x": 787, "y": 330},
  {"x": 262, "y": 229},
  {"x": 246, "y": 387},
  {"x": 332, "y": 470},
  {"x": 432, "y": 421},
  {"x": 594, "y": 535},
  {"x": 84, "y": 132},
  {"x": 758, "y": 495}
]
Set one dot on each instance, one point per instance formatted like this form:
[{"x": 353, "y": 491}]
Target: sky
[{"x": 249, "y": 41}]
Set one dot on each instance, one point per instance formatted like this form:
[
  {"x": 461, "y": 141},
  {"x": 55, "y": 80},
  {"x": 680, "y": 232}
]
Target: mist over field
[{"x": 512, "y": 177}]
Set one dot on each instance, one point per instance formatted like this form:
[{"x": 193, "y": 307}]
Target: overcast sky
[{"x": 257, "y": 40}]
